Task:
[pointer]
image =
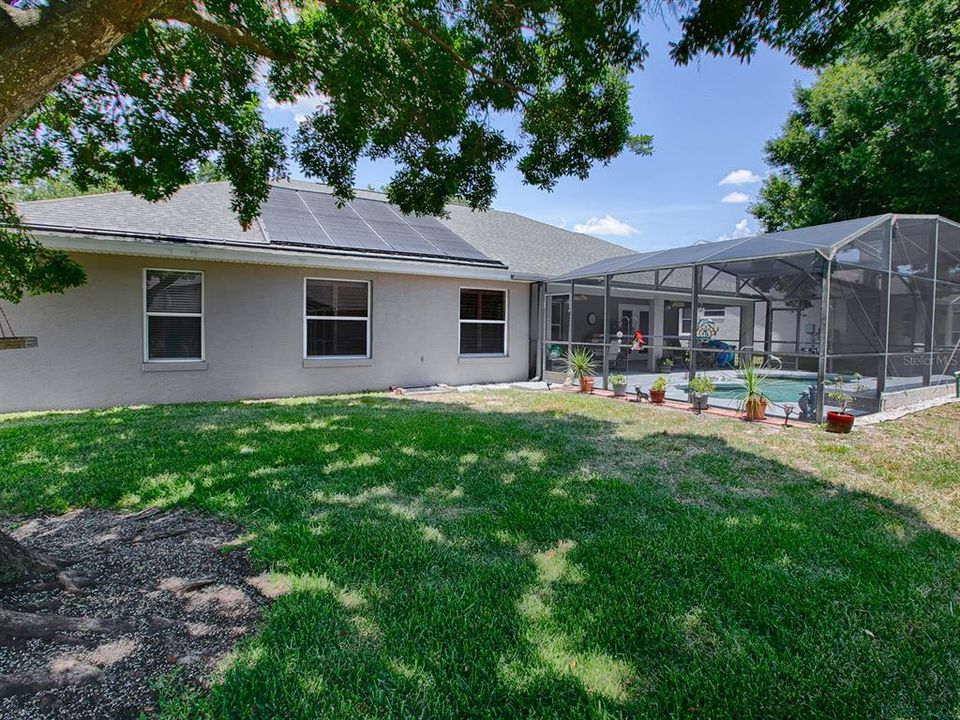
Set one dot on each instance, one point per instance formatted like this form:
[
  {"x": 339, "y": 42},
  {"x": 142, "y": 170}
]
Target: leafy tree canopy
[
  {"x": 879, "y": 131},
  {"x": 139, "y": 93}
]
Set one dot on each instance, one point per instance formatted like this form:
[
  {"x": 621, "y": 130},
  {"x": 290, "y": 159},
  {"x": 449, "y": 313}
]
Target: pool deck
[
  {"x": 684, "y": 406},
  {"x": 678, "y": 379}
]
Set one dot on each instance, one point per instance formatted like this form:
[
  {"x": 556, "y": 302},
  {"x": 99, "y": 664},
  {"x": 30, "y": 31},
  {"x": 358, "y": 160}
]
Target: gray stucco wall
[{"x": 90, "y": 350}]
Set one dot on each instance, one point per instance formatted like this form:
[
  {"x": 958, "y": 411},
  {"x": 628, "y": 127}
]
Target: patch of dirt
[{"x": 153, "y": 592}]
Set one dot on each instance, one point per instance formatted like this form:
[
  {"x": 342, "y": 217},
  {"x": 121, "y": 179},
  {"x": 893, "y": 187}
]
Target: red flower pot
[
  {"x": 839, "y": 422},
  {"x": 656, "y": 396},
  {"x": 586, "y": 384}
]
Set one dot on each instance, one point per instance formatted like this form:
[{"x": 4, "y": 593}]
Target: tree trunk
[
  {"x": 17, "y": 562},
  {"x": 42, "y": 47}
]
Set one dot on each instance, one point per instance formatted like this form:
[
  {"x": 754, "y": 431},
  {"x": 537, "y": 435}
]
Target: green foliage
[
  {"x": 659, "y": 384},
  {"x": 28, "y": 267},
  {"x": 753, "y": 378},
  {"x": 879, "y": 131},
  {"x": 839, "y": 393},
  {"x": 811, "y": 31},
  {"x": 618, "y": 379},
  {"x": 425, "y": 85},
  {"x": 701, "y": 385},
  {"x": 580, "y": 362},
  {"x": 53, "y": 188}
]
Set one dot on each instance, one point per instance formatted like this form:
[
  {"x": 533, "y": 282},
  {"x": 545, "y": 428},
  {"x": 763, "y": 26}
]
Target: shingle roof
[
  {"x": 527, "y": 246},
  {"x": 197, "y": 212},
  {"x": 202, "y": 213}
]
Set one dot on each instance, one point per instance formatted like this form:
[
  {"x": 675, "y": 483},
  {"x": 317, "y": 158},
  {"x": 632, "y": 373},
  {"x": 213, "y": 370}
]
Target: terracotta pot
[
  {"x": 839, "y": 422},
  {"x": 586, "y": 384},
  {"x": 656, "y": 396},
  {"x": 755, "y": 408}
]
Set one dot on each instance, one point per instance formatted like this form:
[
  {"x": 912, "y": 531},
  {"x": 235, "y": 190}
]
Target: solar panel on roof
[
  {"x": 352, "y": 232},
  {"x": 374, "y": 210},
  {"x": 422, "y": 221},
  {"x": 405, "y": 239},
  {"x": 323, "y": 205},
  {"x": 450, "y": 243},
  {"x": 312, "y": 218},
  {"x": 342, "y": 224},
  {"x": 288, "y": 221}
]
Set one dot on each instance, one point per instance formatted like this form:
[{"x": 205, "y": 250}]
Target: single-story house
[{"x": 182, "y": 304}]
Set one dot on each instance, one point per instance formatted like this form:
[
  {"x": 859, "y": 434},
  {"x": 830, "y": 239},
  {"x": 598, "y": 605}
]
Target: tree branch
[
  {"x": 229, "y": 35},
  {"x": 426, "y": 32},
  {"x": 42, "y": 47},
  {"x": 419, "y": 27}
]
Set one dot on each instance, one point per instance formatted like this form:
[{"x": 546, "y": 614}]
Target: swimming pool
[{"x": 777, "y": 389}]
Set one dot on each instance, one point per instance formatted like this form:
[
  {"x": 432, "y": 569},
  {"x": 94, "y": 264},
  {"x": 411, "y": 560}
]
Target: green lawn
[{"x": 547, "y": 555}]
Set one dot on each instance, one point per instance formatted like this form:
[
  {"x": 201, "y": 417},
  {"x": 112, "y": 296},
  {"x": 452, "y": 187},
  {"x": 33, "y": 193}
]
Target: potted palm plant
[
  {"x": 700, "y": 388},
  {"x": 580, "y": 363},
  {"x": 619, "y": 383},
  {"x": 842, "y": 421},
  {"x": 753, "y": 403},
  {"x": 658, "y": 390}
]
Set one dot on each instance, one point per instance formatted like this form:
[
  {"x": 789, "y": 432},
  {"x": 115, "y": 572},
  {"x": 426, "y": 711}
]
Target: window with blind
[
  {"x": 337, "y": 319},
  {"x": 173, "y": 309},
  {"x": 483, "y": 322}
]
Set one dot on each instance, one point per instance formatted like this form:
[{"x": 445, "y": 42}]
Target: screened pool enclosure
[{"x": 877, "y": 297}]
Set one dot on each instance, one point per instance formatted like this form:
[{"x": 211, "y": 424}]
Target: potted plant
[
  {"x": 842, "y": 421},
  {"x": 658, "y": 390},
  {"x": 700, "y": 388},
  {"x": 666, "y": 364},
  {"x": 581, "y": 365},
  {"x": 753, "y": 403},
  {"x": 619, "y": 383}
]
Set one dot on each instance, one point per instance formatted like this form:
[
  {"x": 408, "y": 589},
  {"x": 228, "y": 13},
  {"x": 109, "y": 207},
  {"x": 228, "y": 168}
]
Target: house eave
[{"x": 231, "y": 253}]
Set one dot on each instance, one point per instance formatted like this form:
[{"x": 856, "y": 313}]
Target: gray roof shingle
[
  {"x": 198, "y": 212},
  {"x": 527, "y": 246},
  {"x": 202, "y": 213}
]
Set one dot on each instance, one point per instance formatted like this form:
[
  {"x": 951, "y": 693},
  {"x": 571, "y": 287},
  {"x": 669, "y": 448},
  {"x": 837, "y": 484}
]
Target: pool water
[{"x": 776, "y": 389}]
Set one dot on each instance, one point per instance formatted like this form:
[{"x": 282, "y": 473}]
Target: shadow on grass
[{"x": 449, "y": 562}]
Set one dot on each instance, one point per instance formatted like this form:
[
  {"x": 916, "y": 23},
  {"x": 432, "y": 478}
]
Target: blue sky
[{"x": 708, "y": 120}]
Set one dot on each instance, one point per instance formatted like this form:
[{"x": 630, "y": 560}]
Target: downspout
[{"x": 541, "y": 336}]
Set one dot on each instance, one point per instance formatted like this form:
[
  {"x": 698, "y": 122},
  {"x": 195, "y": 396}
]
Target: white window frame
[
  {"x": 688, "y": 311},
  {"x": 201, "y": 315},
  {"x": 366, "y": 319},
  {"x": 504, "y": 322}
]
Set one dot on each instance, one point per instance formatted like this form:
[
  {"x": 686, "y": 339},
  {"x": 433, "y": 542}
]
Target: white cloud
[
  {"x": 606, "y": 225},
  {"x": 300, "y": 109},
  {"x": 741, "y": 230},
  {"x": 735, "y": 198},
  {"x": 741, "y": 177}
]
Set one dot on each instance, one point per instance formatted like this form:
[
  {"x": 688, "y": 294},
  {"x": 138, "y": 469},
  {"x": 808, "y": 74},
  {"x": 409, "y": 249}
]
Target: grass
[{"x": 546, "y": 555}]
